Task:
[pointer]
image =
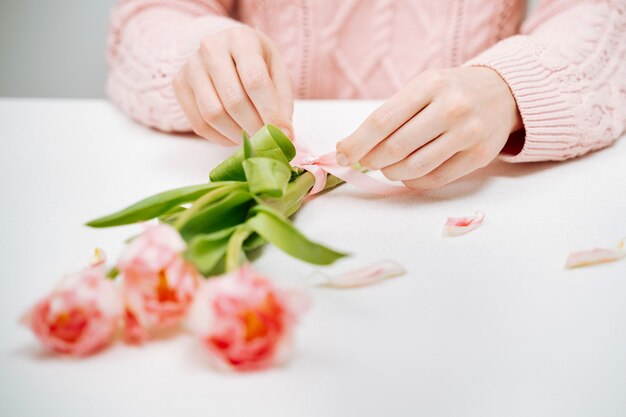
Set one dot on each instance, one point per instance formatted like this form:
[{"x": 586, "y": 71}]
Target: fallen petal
[
  {"x": 362, "y": 276},
  {"x": 595, "y": 256},
  {"x": 456, "y": 226}
]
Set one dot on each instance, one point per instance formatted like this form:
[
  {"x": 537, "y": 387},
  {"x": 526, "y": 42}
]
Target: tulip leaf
[
  {"x": 155, "y": 205},
  {"x": 268, "y": 142},
  {"x": 229, "y": 211},
  {"x": 171, "y": 215},
  {"x": 206, "y": 251},
  {"x": 210, "y": 197},
  {"x": 297, "y": 189},
  {"x": 267, "y": 176},
  {"x": 254, "y": 242},
  {"x": 248, "y": 152},
  {"x": 278, "y": 230}
]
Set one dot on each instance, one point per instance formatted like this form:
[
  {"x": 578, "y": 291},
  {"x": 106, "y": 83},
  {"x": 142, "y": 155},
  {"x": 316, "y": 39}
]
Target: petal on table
[
  {"x": 595, "y": 256},
  {"x": 360, "y": 277},
  {"x": 456, "y": 226}
]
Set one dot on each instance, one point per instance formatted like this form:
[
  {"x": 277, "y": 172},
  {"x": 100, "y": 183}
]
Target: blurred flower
[
  {"x": 159, "y": 284},
  {"x": 244, "y": 321},
  {"x": 81, "y": 315}
]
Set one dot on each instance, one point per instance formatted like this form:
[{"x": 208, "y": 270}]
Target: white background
[{"x": 55, "y": 48}]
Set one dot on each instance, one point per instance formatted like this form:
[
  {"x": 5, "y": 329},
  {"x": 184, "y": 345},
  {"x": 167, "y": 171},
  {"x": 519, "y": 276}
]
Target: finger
[
  {"x": 255, "y": 78},
  {"x": 208, "y": 102},
  {"x": 187, "y": 101},
  {"x": 424, "y": 160},
  {"x": 417, "y": 132},
  {"x": 383, "y": 122},
  {"x": 282, "y": 80},
  {"x": 456, "y": 167},
  {"x": 224, "y": 76}
]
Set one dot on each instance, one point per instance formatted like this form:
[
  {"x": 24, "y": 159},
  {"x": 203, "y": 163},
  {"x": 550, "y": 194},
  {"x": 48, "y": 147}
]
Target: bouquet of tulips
[
  {"x": 247, "y": 203},
  {"x": 207, "y": 230}
]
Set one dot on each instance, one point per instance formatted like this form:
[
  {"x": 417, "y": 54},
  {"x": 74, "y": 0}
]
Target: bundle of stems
[{"x": 246, "y": 203}]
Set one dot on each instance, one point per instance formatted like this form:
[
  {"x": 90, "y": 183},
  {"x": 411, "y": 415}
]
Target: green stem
[
  {"x": 292, "y": 210},
  {"x": 297, "y": 189},
  {"x": 332, "y": 182},
  {"x": 113, "y": 273},
  {"x": 206, "y": 199},
  {"x": 234, "y": 248}
]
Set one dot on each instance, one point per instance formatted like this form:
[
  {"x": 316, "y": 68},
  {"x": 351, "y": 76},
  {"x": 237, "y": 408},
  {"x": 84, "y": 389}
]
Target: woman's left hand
[{"x": 442, "y": 126}]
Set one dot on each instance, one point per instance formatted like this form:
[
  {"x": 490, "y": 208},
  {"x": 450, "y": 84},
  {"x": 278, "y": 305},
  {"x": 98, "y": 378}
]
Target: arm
[
  {"x": 567, "y": 72},
  {"x": 149, "y": 42}
]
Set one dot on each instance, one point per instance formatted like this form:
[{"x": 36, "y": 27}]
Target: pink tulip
[
  {"x": 81, "y": 315},
  {"x": 159, "y": 285},
  {"x": 244, "y": 321}
]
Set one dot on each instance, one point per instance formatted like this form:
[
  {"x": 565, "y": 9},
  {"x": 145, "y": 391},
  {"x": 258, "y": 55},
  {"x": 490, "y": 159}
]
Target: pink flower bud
[
  {"x": 245, "y": 322},
  {"x": 159, "y": 284},
  {"x": 80, "y": 316}
]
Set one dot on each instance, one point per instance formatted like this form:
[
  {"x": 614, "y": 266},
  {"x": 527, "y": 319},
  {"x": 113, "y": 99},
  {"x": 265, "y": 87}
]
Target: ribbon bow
[{"x": 321, "y": 166}]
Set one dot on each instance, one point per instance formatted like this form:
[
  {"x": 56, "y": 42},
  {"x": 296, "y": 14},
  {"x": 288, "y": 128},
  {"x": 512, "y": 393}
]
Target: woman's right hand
[{"x": 235, "y": 81}]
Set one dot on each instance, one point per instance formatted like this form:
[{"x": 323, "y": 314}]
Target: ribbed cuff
[
  {"x": 143, "y": 63},
  {"x": 547, "y": 111}
]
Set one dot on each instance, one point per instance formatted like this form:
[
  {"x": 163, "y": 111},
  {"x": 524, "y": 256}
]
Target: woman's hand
[
  {"x": 442, "y": 126},
  {"x": 235, "y": 81}
]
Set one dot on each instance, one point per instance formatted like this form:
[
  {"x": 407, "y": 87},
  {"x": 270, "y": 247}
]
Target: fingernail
[{"x": 342, "y": 159}]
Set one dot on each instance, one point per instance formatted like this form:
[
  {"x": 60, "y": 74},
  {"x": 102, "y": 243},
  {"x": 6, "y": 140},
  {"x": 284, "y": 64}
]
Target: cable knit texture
[{"x": 566, "y": 65}]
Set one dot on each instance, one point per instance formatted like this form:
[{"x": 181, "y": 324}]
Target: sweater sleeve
[
  {"x": 149, "y": 41},
  {"x": 567, "y": 72}
]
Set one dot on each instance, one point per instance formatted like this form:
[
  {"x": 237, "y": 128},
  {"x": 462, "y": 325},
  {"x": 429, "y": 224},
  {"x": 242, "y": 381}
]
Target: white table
[{"x": 487, "y": 324}]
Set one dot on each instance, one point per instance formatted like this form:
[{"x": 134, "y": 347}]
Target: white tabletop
[{"x": 486, "y": 324}]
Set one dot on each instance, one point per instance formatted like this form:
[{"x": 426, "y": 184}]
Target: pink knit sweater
[{"x": 566, "y": 65}]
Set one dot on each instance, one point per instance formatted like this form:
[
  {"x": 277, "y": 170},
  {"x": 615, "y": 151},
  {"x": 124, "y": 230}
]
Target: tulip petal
[
  {"x": 595, "y": 256},
  {"x": 456, "y": 226},
  {"x": 360, "y": 277},
  {"x": 80, "y": 316},
  {"x": 244, "y": 321}
]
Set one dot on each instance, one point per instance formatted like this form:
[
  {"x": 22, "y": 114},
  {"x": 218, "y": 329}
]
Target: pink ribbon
[{"x": 321, "y": 166}]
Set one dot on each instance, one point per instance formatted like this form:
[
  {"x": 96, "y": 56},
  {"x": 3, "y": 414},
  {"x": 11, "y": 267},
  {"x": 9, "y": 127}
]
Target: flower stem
[
  {"x": 297, "y": 189},
  {"x": 234, "y": 249},
  {"x": 113, "y": 273}
]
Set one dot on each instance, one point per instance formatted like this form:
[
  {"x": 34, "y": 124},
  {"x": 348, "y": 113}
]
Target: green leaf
[
  {"x": 210, "y": 197},
  {"x": 267, "y": 176},
  {"x": 154, "y": 206},
  {"x": 293, "y": 209},
  {"x": 171, "y": 215},
  {"x": 218, "y": 269},
  {"x": 297, "y": 189},
  {"x": 229, "y": 211},
  {"x": 268, "y": 142},
  {"x": 207, "y": 250},
  {"x": 278, "y": 230},
  {"x": 248, "y": 152},
  {"x": 253, "y": 242}
]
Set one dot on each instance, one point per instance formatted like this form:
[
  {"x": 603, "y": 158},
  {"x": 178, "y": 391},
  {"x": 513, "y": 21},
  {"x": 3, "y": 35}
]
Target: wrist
[{"x": 514, "y": 117}]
